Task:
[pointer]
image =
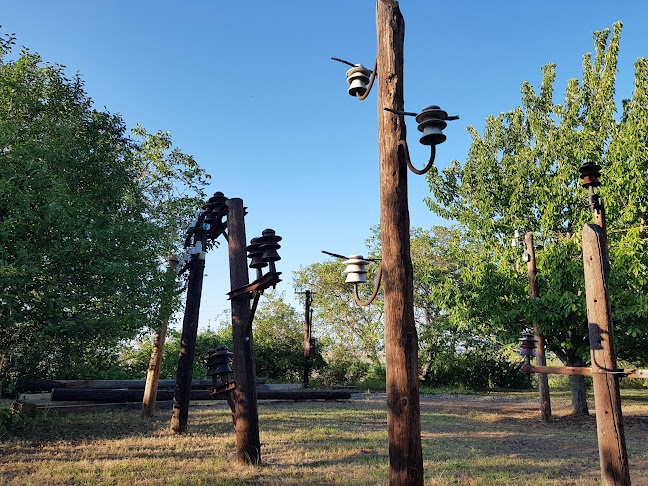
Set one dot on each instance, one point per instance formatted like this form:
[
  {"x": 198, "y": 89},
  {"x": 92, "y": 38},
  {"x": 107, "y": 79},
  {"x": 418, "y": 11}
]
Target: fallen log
[
  {"x": 125, "y": 395},
  {"x": 34, "y": 386},
  {"x": 48, "y": 385}
]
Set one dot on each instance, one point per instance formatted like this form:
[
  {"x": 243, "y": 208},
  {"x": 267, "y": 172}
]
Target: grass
[{"x": 481, "y": 439}]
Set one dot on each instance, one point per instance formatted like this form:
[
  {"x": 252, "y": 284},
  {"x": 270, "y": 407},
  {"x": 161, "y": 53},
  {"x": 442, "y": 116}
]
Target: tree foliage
[
  {"x": 87, "y": 216},
  {"x": 522, "y": 174}
]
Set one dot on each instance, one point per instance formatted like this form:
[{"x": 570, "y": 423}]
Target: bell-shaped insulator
[
  {"x": 590, "y": 172},
  {"x": 218, "y": 361},
  {"x": 355, "y": 269},
  {"x": 358, "y": 79},
  {"x": 215, "y": 203},
  {"x": 528, "y": 345},
  {"x": 269, "y": 244},
  {"x": 431, "y": 122},
  {"x": 255, "y": 253}
]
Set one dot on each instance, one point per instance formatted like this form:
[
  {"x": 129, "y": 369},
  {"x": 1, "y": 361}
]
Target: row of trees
[
  {"x": 87, "y": 214},
  {"x": 522, "y": 174},
  {"x": 87, "y": 217}
]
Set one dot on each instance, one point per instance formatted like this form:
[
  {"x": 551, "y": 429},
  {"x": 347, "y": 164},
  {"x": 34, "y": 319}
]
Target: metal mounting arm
[{"x": 375, "y": 291}]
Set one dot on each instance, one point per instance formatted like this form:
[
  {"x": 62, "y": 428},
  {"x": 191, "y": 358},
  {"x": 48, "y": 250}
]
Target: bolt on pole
[
  {"x": 401, "y": 339},
  {"x": 543, "y": 379}
]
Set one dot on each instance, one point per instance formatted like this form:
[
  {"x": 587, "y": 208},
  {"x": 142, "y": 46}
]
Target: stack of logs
[{"x": 120, "y": 391}]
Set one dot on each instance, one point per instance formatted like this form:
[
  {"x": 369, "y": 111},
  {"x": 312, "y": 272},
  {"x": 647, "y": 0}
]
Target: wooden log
[
  {"x": 188, "y": 340},
  {"x": 157, "y": 353},
  {"x": 121, "y": 396},
  {"x": 543, "y": 380},
  {"x": 47, "y": 385},
  {"x": 401, "y": 338},
  {"x": 607, "y": 398},
  {"x": 581, "y": 371},
  {"x": 246, "y": 415}
]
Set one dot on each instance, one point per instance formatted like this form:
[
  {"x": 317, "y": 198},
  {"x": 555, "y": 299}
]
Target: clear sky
[{"x": 248, "y": 88}]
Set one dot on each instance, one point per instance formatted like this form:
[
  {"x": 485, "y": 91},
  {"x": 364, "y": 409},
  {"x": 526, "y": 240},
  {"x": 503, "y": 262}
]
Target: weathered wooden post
[
  {"x": 308, "y": 298},
  {"x": 605, "y": 375},
  {"x": 543, "y": 379},
  {"x": 157, "y": 353},
  {"x": 246, "y": 417},
  {"x": 401, "y": 339},
  {"x": 189, "y": 332}
]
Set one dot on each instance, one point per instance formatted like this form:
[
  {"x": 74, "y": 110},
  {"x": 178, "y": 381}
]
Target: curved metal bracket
[
  {"x": 375, "y": 291},
  {"x": 403, "y": 143},
  {"x": 371, "y": 81}
]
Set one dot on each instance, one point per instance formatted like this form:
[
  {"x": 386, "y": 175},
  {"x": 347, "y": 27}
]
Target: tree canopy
[
  {"x": 522, "y": 174},
  {"x": 87, "y": 218}
]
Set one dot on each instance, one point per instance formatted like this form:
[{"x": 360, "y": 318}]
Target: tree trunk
[{"x": 579, "y": 393}]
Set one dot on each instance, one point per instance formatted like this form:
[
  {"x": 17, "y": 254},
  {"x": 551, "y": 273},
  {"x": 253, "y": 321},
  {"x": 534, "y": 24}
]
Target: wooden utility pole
[
  {"x": 308, "y": 296},
  {"x": 543, "y": 380},
  {"x": 246, "y": 416},
  {"x": 401, "y": 340},
  {"x": 188, "y": 341},
  {"x": 607, "y": 399},
  {"x": 157, "y": 353}
]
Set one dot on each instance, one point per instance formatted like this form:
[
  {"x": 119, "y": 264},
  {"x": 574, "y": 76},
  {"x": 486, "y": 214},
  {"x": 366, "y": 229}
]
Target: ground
[{"x": 493, "y": 438}]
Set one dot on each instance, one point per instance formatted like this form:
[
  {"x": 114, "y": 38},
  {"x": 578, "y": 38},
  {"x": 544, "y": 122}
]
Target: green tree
[
  {"x": 279, "y": 340},
  {"x": 349, "y": 328},
  {"x": 523, "y": 174},
  {"x": 85, "y": 222}
]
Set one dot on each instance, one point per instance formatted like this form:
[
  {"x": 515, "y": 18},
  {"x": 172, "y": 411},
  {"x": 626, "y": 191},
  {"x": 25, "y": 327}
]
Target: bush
[{"x": 475, "y": 369}]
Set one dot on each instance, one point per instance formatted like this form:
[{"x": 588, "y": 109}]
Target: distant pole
[
  {"x": 543, "y": 380},
  {"x": 607, "y": 398},
  {"x": 188, "y": 340},
  {"x": 157, "y": 353},
  {"x": 401, "y": 339},
  {"x": 246, "y": 416},
  {"x": 307, "y": 335}
]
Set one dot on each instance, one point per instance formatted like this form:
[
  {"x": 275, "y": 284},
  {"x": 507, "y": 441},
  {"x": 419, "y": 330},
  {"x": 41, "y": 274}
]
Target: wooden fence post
[
  {"x": 607, "y": 399},
  {"x": 157, "y": 353},
  {"x": 307, "y": 335},
  {"x": 543, "y": 380}
]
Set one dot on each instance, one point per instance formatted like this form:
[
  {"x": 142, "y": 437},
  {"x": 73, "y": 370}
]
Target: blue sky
[{"x": 248, "y": 88}]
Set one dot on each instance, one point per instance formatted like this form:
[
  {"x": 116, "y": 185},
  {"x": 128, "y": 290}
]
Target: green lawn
[{"x": 483, "y": 439}]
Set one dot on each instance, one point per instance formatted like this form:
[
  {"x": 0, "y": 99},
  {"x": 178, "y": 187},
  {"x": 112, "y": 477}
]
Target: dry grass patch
[{"x": 493, "y": 439}]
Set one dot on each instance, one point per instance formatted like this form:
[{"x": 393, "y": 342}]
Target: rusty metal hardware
[
  {"x": 356, "y": 271},
  {"x": 215, "y": 210},
  {"x": 358, "y": 78},
  {"x": 432, "y": 121},
  {"x": 590, "y": 173},
  {"x": 218, "y": 361},
  {"x": 528, "y": 345},
  {"x": 270, "y": 279},
  {"x": 269, "y": 244}
]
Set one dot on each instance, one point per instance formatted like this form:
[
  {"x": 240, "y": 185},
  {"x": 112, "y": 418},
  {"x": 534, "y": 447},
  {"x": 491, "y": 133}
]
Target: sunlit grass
[{"x": 483, "y": 439}]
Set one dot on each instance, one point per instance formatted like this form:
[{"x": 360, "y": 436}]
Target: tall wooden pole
[
  {"x": 246, "y": 416},
  {"x": 543, "y": 380},
  {"x": 188, "y": 340},
  {"x": 308, "y": 295},
  {"x": 157, "y": 353},
  {"x": 607, "y": 398},
  {"x": 401, "y": 339}
]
